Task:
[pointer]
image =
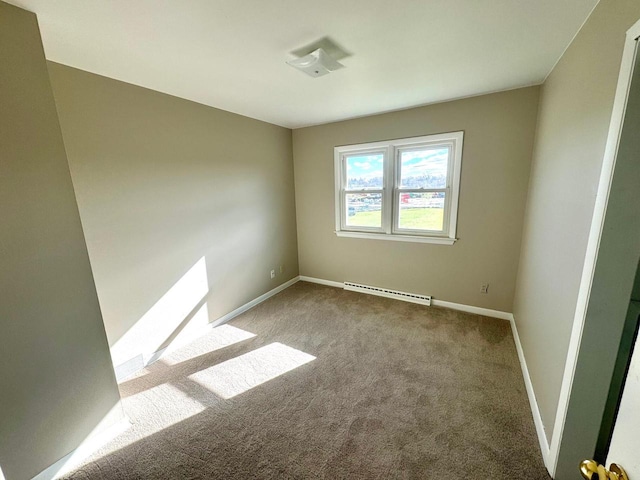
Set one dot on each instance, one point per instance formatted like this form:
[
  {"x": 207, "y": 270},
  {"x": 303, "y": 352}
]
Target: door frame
[{"x": 593, "y": 245}]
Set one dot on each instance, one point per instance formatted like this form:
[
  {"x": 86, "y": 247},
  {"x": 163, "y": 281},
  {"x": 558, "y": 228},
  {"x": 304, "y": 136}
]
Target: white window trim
[{"x": 390, "y": 204}]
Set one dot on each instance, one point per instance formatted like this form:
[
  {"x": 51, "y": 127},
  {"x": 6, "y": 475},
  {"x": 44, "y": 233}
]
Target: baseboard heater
[{"x": 385, "y": 292}]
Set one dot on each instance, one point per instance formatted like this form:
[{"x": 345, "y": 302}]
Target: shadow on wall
[
  {"x": 161, "y": 184},
  {"x": 183, "y": 312},
  {"x": 180, "y": 311},
  {"x": 127, "y": 286},
  {"x": 188, "y": 296}
]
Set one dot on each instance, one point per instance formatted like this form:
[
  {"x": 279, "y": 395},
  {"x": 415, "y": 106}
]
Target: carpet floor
[{"x": 318, "y": 382}]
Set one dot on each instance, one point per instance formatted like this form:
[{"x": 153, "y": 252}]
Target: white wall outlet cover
[{"x": 316, "y": 64}]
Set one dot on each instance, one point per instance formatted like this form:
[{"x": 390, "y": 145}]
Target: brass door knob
[{"x": 591, "y": 470}]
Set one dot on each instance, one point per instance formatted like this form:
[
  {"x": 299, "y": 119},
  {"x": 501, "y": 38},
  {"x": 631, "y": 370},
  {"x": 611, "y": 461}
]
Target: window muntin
[{"x": 406, "y": 188}]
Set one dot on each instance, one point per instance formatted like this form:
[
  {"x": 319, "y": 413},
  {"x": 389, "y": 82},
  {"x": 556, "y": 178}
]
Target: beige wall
[
  {"x": 575, "y": 110},
  {"x": 498, "y": 141},
  {"x": 56, "y": 378},
  {"x": 606, "y": 316},
  {"x": 163, "y": 183}
]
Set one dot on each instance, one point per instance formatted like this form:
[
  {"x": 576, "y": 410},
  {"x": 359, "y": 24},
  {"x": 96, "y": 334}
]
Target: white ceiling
[{"x": 231, "y": 54}]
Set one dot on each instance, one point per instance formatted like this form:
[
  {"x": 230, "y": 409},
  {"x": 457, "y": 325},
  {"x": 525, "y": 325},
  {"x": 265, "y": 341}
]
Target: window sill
[{"x": 397, "y": 238}]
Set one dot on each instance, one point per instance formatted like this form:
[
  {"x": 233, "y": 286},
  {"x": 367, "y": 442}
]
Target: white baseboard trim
[
  {"x": 434, "y": 302},
  {"x": 329, "y": 283},
  {"x": 142, "y": 360},
  {"x": 533, "y": 403},
  {"x": 487, "y": 312},
  {"x": 91, "y": 444},
  {"x": 254, "y": 302}
]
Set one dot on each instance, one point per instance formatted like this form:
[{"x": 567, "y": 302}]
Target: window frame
[
  {"x": 392, "y": 150},
  {"x": 344, "y": 191}
]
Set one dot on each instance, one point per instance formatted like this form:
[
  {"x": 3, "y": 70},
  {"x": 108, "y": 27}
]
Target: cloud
[
  {"x": 432, "y": 162},
  {"x": 363, "y": 165}
]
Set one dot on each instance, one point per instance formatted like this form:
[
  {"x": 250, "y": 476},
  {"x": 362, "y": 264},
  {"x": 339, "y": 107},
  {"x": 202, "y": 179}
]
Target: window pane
[
  {"x": 424, "y": 168},
  {"x": 422, "y": 211},
  {"x": 365, "y": 171},
  {"x": 364, "y": 210}
]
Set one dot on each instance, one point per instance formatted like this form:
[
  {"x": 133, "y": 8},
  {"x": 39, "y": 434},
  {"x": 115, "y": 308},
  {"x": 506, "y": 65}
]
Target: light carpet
[{"x": 318, "y": 382}]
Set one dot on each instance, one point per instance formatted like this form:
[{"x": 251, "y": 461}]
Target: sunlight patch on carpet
[
  {"x": 247, "y": 371},
  {"x": 219, "y": 338}
]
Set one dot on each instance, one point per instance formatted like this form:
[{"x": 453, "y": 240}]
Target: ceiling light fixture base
[{"x": 316, "y": 64}]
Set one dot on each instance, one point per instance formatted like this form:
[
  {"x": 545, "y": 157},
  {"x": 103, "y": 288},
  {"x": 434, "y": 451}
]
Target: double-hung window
[{"x": 404, "y": 189}]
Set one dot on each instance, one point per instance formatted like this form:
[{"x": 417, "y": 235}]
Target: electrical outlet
[
  {"x": 273, "y": 274},
  {"x": 484, "y": 288},
  {"x": 281, "y": 268}
]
